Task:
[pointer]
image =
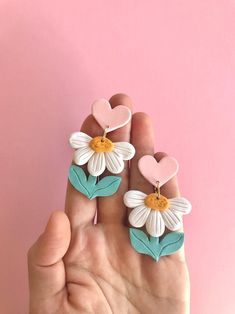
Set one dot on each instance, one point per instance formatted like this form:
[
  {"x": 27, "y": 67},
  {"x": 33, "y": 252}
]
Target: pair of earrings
[{"x": 154, "y": 210}]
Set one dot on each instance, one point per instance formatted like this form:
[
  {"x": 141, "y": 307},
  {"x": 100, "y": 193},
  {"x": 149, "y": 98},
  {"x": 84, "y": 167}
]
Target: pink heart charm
[
  {"x": 110, "y": 118},
  {"x": 161, "y": 171}
]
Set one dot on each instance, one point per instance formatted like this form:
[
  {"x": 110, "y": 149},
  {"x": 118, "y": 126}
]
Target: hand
[{"x": 77, "y": 266}]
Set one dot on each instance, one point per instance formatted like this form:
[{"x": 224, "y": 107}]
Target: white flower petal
[
  {"x": 125, "y": 149},
  {"x": 180, "y": 205},
  {"x": 134, "y": 198},
  {"x": 139, "y": 215},
  {"x": 82, "y": 155},
  {"x": 96, "y": 164},
  {"x": 173, "y": 220},
  {"x": 114, "y": 162},
  {"x": 155, "y": 224},
  {"x": 79, "y": 139}
]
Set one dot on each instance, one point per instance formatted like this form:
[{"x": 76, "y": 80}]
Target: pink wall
[{"x": 176, "y": 59}]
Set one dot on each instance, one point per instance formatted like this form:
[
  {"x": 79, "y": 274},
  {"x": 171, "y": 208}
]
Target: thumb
[{"x": 45, "y": 264}]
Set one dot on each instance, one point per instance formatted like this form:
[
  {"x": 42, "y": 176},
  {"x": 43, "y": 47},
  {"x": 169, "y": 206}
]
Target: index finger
[{"x": 81, "y": 210}]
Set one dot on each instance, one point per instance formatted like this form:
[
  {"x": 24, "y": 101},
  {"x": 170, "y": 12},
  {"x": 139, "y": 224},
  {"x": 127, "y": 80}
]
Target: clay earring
[
  {"x": 100, "y": 152},
  {"x": 156, "y": 211}
]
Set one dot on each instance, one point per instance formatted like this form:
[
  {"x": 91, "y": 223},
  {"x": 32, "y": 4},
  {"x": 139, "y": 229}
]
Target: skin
[{"x": 77, "y": 266}]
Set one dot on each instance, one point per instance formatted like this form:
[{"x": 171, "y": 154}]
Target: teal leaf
[
  {"x": 78, "y": 179},
  {"x": 107, "y": 186},
  {"x": 171, "y": 243},
  {"x": 89, "y": 186},
  {"x": 140, "y": 242}
]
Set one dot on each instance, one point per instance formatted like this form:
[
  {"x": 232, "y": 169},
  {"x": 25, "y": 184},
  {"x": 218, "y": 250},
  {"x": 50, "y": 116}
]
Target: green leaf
[
  {"x": 89, "y": 186},
  {"x": 171, "y": 243},
  {"x": 78, "y": 179},
  {"x": 106, "y": 186},
  {"x": 140, "y": 242}
]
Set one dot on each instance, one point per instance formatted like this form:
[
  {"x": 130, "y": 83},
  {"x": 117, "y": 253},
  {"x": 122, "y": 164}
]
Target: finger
[
  {"x": 45, "y": 264},
  {"x": 170, "y": 190},
  {"x": 81, "y": 210},
  {"x": 142, "y": 137},
  {"x": 111, "y": 209}
]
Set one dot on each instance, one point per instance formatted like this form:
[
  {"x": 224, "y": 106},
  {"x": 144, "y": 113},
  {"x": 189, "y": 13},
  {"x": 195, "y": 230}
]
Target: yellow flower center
[
  {"x": 101, "y": 144},
  {"x": 153, "y": 202}
]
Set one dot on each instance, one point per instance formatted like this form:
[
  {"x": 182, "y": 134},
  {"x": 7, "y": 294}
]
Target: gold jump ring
[{"x": 157, "y": 189}]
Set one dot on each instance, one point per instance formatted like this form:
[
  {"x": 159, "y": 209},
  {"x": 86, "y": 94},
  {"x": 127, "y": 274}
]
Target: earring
[
  {"x": 100, "y": 152},
  {"x": 156, "y": 211}
]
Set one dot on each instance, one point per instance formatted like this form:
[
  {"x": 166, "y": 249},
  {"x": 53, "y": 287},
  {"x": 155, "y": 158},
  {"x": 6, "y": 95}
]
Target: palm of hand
[
  {"x": 100, "y": 272},
  {"x": 107, "y": 276}
]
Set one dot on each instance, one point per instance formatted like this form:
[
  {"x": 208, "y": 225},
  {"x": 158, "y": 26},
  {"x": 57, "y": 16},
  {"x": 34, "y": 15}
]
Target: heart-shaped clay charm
[
  {"x": 161, "y": 171},
  {"x": 110, "y": 118}
]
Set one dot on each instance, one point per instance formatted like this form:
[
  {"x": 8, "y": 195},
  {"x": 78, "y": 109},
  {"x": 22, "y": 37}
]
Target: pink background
[{"x": 176, "y": 59}]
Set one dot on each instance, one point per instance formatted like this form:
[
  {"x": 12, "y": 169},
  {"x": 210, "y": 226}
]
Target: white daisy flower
[
  {"x": 100, "y": 152},
  {"x": 156, "y": 212}
]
